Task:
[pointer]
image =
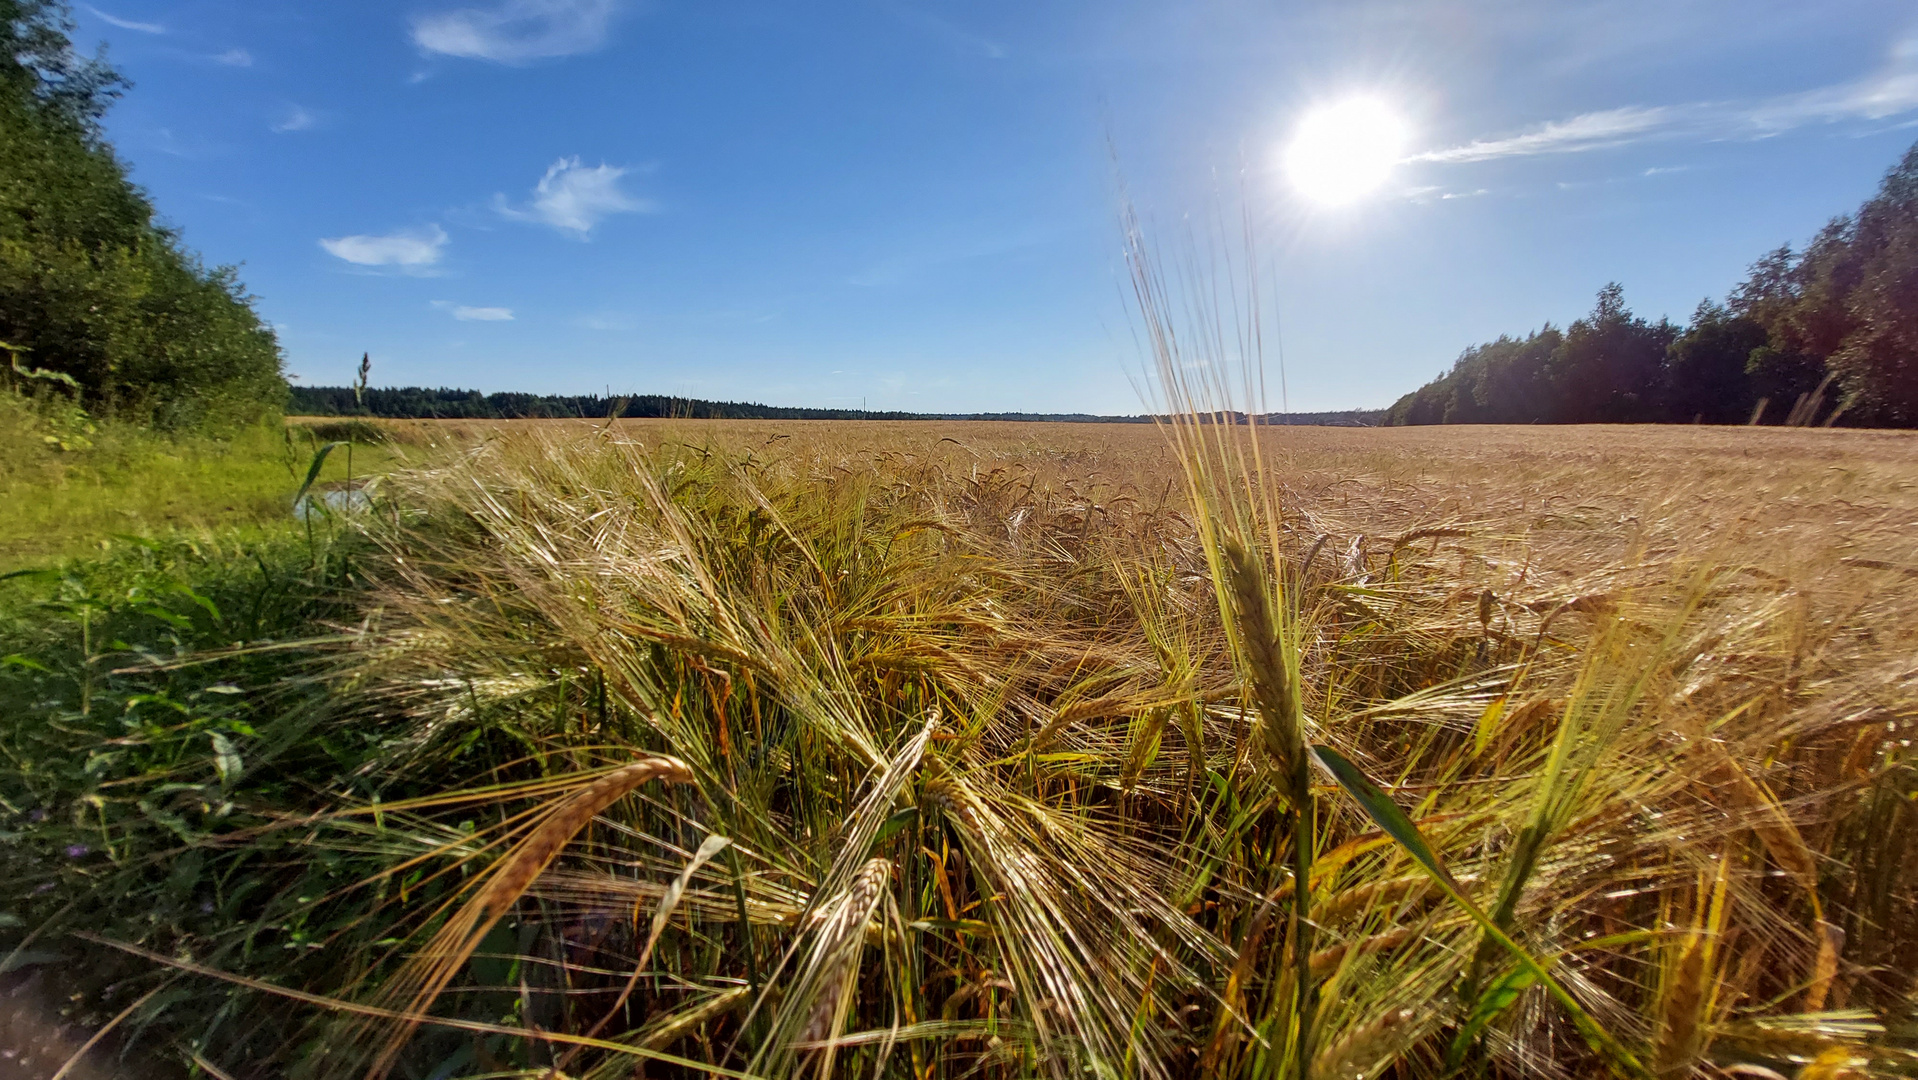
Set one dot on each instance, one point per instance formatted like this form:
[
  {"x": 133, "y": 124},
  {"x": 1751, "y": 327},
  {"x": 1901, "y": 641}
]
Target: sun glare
[{"x": 1342, "y": 152}]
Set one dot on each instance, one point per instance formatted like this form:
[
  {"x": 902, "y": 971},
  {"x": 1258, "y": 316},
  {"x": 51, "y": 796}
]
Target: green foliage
[
  {"x": 70, "y": 480},
  {"x": 91, "y": 285},
  {"x": 1607, "y": 370},
  {"x": 1608, "y": 367},
  {"x": 134, "y": 781},
  {"x": 1846, "y": 307},
  {"x": 1857, "y": 301},
  {"x": 1709, "y": 369},
  {"x": 443, "y": 403},
  {"x": 37, "y": 59}
]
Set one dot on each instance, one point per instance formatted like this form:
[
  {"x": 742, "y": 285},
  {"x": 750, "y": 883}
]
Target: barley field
[{"x": 690, "y": 748}]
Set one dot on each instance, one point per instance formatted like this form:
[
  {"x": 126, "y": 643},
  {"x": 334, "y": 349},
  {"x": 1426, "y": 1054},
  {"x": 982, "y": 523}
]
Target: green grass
[{"x": 120, "y": 480}]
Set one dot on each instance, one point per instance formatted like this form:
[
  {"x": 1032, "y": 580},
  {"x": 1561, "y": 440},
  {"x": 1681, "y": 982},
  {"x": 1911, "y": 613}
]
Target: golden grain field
[
  {"x": 987, "y": 757},
  {"x": 952, "y": 750}
]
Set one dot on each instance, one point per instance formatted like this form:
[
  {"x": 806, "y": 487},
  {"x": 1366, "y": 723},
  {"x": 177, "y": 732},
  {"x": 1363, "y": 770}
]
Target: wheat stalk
[{"x": 502, "y": 885}]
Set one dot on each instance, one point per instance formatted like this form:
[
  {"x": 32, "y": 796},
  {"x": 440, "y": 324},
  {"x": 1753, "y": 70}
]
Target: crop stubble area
[{"x": 957, "y": 726}]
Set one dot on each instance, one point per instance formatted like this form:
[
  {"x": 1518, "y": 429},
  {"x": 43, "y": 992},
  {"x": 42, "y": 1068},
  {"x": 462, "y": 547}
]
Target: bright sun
[{"x": 1344, "y": 151}]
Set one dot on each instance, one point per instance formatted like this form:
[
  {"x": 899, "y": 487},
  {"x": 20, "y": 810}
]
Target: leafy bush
[{"x": 90, "y": 283}]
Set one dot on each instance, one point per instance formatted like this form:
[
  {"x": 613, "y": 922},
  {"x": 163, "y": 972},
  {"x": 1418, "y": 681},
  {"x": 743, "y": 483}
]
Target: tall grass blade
[{"x": 1387, "y": 815}]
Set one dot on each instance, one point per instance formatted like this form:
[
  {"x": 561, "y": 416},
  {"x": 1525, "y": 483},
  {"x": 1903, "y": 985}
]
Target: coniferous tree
[{"x": 1609, "y": 369}]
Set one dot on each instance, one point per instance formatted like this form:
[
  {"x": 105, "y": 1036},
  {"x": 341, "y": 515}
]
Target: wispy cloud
[
  {"x": 1590, "y": 131},
  {"x": 409, "y": 248},
  {"x": 965, "y": 40},
  {"x": 295, "y": 118},
  {"x": 191, "y": 145},
  {"x": 233, "y": 58},
  {"x": 1427, "y": 194},
  {"x": 517, "y": 31},
  {"x": 126, "y": 24},
  {"x": 573, "y": 198},
  {"x": 475, "y": 314},
  {"x": 1889, "y": 93}
]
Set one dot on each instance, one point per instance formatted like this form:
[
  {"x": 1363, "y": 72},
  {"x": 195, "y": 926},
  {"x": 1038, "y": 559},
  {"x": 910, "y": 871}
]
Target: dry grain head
[{"x": 501, "y": 885}]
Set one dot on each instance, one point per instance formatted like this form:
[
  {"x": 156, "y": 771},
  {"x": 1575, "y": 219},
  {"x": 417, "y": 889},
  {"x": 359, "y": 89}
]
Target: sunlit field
[
  {"x": 686, "y": 748},
  {"x": 940, "y": 641}
]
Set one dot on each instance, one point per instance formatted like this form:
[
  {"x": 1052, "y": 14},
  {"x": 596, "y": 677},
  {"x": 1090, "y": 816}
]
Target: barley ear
[
  {"x": 1831, "y": 941},
  {"x": 1273, "y": 685},
  {"x": 1365, "y": 1048},
  {"x": 501, "y": 886}
]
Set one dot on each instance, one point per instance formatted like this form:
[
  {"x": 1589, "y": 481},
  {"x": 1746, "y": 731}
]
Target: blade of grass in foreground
[
  {"x": 313, "y": 471},
  {"x": 1390, "y": 818}
]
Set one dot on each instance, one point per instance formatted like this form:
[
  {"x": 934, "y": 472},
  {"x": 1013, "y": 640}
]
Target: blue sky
[{"x": 913, "y": 205}]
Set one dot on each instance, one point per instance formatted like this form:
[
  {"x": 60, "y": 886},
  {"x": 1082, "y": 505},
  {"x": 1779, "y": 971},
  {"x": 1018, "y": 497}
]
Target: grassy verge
[{"x": 70, "y": 484}]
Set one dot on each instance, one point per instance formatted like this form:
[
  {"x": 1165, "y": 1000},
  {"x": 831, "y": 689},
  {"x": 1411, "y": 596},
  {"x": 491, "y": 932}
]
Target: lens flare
[{"x": 1342, "y": 152}]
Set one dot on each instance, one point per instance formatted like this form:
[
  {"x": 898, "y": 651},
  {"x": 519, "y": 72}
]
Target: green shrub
[{"x": 91, "y": 285}]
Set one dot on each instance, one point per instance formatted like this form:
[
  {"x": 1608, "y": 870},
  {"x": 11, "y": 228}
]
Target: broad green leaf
[
  {"x": 209, "y": 606},
  {"x": 895, "y": 823},
  {"x": 1488, "y": 724},
  {"x": 313, "y": 473},
  {"x": 1492, "y": 1002},
  {"x": 1386, "y": 813},
  {"x": 23, "y": 958}
]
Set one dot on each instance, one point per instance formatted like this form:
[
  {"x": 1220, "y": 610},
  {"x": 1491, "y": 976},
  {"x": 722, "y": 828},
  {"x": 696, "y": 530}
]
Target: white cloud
[
  {"x": 234, "y": 58},
  {"x": 167, "y": 143},
  {"x": 573, "y": 198},
  {"x": 1889, "y": 93},
  {"x": 517, "y": 31},
  {"x": 294, "y": 119},
  {"x": 1589, "y": 131},
  {"x": 965, "y": 40},
  {"x": 475, "y": 314},
  {"x": 410, "y": 248},
  {"x": 126, "y": 24}
]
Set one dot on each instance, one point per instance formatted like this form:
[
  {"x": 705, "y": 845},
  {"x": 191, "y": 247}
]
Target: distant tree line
[
  {"x": 422, "y": 403},
  {"x": 92, "y": 285},
  {"x": 1829, "y": 334},
  {"x": 443, "y": 403}
]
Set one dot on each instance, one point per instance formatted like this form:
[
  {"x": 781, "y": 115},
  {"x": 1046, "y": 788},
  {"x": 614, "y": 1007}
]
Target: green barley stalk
[{"x": 1200, "y": 378}]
